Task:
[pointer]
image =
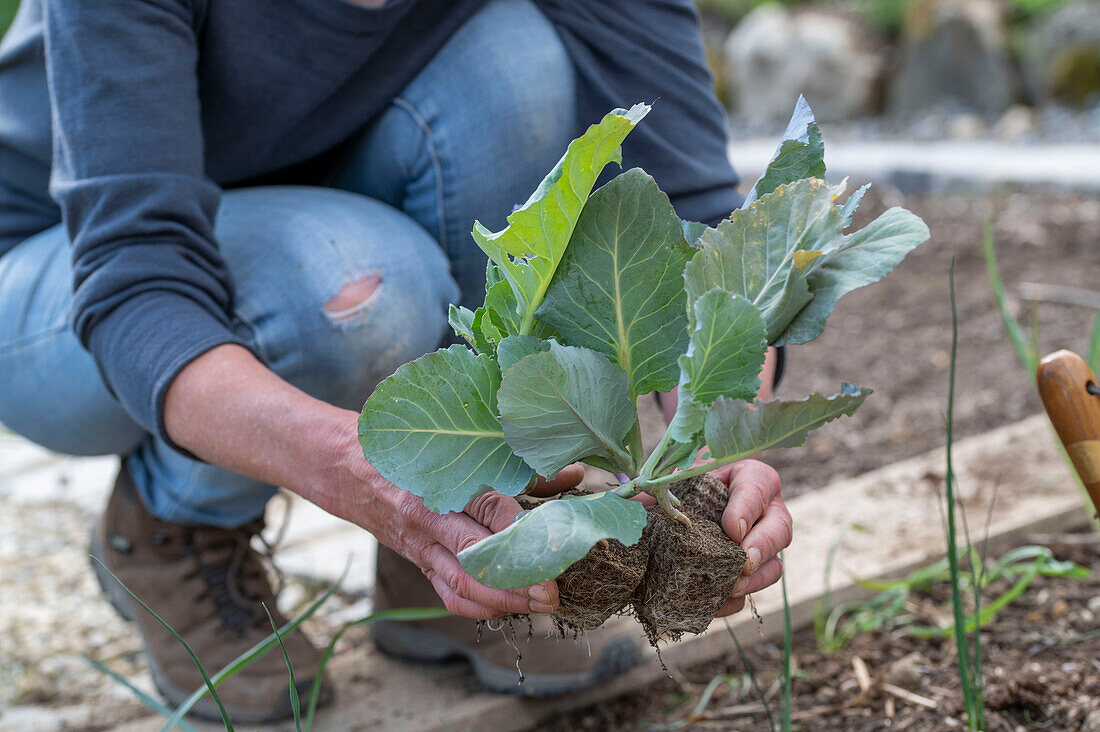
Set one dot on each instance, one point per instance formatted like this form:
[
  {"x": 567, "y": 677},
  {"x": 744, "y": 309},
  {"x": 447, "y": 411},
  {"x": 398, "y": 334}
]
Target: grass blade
[
  {"x": 209, "y": 685},
  {"x": 1027, "y": 357},
  {"x": 752, "y": 675},
  {"x": 972, "y": 692},
  {"x": 786, "y": 667},
  {"x": 699, "y": 712},
  {"x": 428, "y": 613},
  {"x": 145, "y": 699},
  {"x": 821, "y": 604},
  {"x": 294, "y": 704},
  {"x": 246, "y": 659}
]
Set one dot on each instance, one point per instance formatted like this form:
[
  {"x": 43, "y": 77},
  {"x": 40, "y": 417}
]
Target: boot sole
[
  {"x": 421, "y": 645},
  {"x": 205, "y": 708}
]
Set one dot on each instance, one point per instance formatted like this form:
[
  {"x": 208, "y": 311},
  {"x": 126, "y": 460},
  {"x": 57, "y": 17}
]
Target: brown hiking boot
[
  {"x": 550, "y": 665},
  {"x": 208, "y": 584}
]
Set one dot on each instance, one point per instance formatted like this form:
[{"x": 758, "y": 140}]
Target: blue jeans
[{"x": 469, "y": 138}]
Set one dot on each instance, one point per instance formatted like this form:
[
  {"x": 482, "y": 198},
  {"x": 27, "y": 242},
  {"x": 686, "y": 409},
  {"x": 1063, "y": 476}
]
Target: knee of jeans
[
  {"x": 377, "y": 322},
  {"x": 335, "y": 290},
  {"x": 529, "y": 78}
]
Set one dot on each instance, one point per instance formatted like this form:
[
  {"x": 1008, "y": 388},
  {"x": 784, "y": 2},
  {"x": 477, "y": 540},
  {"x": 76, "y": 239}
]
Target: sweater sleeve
[
  {"x": 151, "y": 291},
  {"x": 628, "y": 51}
]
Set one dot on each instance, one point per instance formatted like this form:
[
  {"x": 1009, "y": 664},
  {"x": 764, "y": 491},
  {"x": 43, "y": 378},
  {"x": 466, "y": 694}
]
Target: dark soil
[
  {"x": 895, "y": 336},
  {"x": 691, "y": 573},
  {"x": 601, "y": 584},
  {"x": 1042, "y": 671},
  {"x": 674, "y": 579}
]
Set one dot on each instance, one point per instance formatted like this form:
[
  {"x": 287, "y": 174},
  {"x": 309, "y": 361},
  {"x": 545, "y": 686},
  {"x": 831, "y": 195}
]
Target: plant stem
[
  {"x": 785, "y": 719},
  {"x": 636, "y": 449},
  {"x": 646, "y": 470},
  {"x": 692, "y": 472},
  {"x": 972, "y": 697},
  {"x": 662, "y": 494}
]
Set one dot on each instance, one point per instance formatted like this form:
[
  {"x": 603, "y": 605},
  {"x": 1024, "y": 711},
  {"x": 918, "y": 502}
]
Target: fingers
[
  {"x": 731, "y": 606},
  {"x": 767, "y": 575},
  {"x": 463, "y": 592},
  {"x": 753, "y": 486},
  {"x": 771, "y": 534},
  {"x": 493, "y": 511},
  {"x": 569, "y": 477}
]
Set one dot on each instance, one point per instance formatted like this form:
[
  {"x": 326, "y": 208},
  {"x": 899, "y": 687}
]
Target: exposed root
[
  {"x": 691, "y": 572},
  {"x": 600, "y": 585},
  {"x": 703, "y": 497}
]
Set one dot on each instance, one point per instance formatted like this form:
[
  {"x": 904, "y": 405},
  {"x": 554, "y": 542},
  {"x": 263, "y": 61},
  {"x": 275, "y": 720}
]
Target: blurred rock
[
  {"x": 954, "y": 56},
  {"x": 907, "y": 671},
  {"x": 1062, "y": 54},
  {"x": 967, "y": 126},
  {"x": 774, "y": 55},
  {"x": 1017, "y": 122}
]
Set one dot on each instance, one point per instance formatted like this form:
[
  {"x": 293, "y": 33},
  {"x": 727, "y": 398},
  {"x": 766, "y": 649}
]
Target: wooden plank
[{"x": 896, "y": 528}]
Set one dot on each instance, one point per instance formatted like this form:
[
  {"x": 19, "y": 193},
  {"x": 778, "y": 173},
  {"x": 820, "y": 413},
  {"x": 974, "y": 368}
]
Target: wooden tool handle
[{"x": 1063, "y": 378}]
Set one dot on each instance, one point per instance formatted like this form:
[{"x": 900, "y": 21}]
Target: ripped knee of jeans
[{"x": 353, "y": 298}]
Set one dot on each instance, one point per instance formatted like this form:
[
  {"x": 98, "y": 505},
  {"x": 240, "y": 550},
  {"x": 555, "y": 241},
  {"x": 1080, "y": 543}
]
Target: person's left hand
[{"x": 757, "y": 520}]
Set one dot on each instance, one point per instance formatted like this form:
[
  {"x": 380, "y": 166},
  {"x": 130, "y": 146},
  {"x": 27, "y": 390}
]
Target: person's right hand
[
  {"x": 432, "y": 541},
  {"x": 230, "y": 410}
]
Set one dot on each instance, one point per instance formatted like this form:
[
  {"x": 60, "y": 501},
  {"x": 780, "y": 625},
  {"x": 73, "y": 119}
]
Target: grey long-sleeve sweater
[{"x": 152, "y": 107}]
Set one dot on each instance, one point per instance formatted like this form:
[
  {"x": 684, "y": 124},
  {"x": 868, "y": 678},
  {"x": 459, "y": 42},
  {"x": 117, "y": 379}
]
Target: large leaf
[
  {"x": 565, "y": 404},
  {"x": 737, "y": 429},
  {"x": 544, "y": 542},
  {"x": 431, "y": 428},
  {"x": 866, "y": 256},
  {"x": 528, "y": 250},
  {"x": 515, "y": 347},
  {"x": 762, "y": 252},
  {"x": 801, "y": 154},
  {"x": 727, "y": 348},
  {"x": 619, "y": 288}
]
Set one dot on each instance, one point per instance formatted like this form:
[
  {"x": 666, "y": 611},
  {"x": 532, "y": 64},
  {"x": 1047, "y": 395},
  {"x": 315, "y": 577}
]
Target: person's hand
[
  {"x": 757, "y": 520},
  {"x": 229, "y": 409},
  {"x": 432, "y": 541}
]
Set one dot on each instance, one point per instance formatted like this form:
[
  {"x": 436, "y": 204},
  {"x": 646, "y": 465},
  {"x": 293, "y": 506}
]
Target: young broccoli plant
[{"x": 593, "y": 300}]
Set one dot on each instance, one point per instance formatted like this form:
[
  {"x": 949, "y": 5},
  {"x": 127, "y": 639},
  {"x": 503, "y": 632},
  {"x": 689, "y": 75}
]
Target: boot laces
[{"x": 234, "y": 572}]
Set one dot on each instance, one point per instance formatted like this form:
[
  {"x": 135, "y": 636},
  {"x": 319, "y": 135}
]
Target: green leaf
[
  {"x": 515, "y": 347},
  {"x": 566, "y": 404},
  {"x": 295, "y": 705},
  {"x": 462, "y": 323},
  {"x": 692, "y": 231},
  {"x": 727, "y": 348},
  {"x": 752, "y": 254},
  {"x": 619, "y": 289},
  {"x": 848, "y": 208},
  {"x": 545, "y": 541},
  {"x": 801, "y": 154},
  {"x": 736, "y": 429},
  {"x": 528, "y": 250},
  {"x": 866, "y": 256},
  {"x": 689, "y": 417},
  {"x": 431, "y": 428}
]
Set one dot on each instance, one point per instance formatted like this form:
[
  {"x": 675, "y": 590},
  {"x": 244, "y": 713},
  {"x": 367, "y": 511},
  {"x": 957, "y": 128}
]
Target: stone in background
[
  {"x": 954, "y": 58},
  {"x": 775, "y": 54},
  {"x": 1062, "y": 54}
]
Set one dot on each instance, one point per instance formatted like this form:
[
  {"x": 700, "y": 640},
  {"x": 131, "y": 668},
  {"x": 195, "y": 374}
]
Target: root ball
[
  {"x": 601, "y": 584},
  {"x": 690, "y": 575}
]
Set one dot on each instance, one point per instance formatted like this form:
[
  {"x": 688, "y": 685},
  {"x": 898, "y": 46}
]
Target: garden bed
[{"x": 1042, "y": 671}]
